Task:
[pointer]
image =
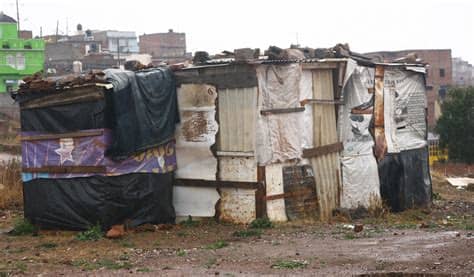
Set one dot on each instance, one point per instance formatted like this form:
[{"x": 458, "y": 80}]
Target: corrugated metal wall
[
  {"x": 237, "y": 113},
  {"x": 326, "y": 167}
]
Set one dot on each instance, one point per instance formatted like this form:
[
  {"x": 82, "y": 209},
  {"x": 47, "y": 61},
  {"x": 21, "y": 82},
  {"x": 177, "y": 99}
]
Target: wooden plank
[
  {"x": 323, "y": 150},
  {"x": 235, "y": 154},
  {"x": 322, "y": 65},
  {"x": 322, "y": 101},
  {"x": 216, "y": 184},
  {"x": 380, "y": 147},
  {"x": 280, "y": 111},
  {"x": 87, "y": 93},
  {"x": 292, "y": 194},
  {"x": 65, "y": 169},
  {"x": 63, "y": 135},
  {"x": 260, "y": 194}
]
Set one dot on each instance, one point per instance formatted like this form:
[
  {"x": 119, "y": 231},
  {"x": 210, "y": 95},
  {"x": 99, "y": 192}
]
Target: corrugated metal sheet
[
  {"x": 237, "y": 113},
  {"x": 327, "y": 167}
]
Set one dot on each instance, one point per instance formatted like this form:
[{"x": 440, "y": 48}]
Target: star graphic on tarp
[{"x": 65, "y": 150}]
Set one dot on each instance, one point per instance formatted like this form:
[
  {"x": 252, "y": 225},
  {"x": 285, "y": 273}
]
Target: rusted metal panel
[
  {"x": 196, "y": 133},
  {"x": 326, "y": 167},
  {"x": 380, "y": 148},
  {"x": 237, "y": 205},
  {"x": 300, "y": 192},
  {"x": 237, "y": 119}
]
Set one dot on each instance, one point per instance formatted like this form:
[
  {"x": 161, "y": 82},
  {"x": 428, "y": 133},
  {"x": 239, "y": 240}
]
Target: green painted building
[{"x": 18, "y": 57}]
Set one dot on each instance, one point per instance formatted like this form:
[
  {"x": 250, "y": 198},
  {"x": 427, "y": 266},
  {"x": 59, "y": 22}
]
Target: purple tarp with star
[{"x": 89, "y": 151}]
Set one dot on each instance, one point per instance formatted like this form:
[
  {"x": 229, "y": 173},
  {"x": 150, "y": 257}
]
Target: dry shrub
[{"x": 11, "y": 192}]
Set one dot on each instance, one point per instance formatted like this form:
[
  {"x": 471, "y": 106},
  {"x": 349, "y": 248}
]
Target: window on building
[
  {"x": 20, "y": 61},
  {"x": 441, "y": 72}
]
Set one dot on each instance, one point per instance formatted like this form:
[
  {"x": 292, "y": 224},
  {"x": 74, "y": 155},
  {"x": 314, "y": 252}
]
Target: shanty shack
[
  {"x": 299, "y": 138},
  {"x": 235, "y": 140}
]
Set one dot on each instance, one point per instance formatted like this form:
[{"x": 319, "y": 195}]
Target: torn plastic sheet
[
  {"x": 278, "y": 135},
  {"x": 360, "y": 178},
  {"x": 404, "y": 110},
  {"x": 193, "y": 201},
  {"x": 79, "y": 203},
  {"x": 197, "y": 132},
  {"x": 405, "y": 180}
]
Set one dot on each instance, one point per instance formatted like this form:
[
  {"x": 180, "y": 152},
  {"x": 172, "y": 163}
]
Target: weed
[
  {"x": 217, "y": 245},
  {"x": 349, "y": 236},
  {"x": 93, "y": 233},
  {"x": 21, "y": 267},
  {"x": 261, "y": 223},
  {"x": 144, "y": 269},
  {"x": 48, "y": 245},
  {"x": 210, "y": 263},
  {"x": 180, "y": 253},
  {"x": 107, "y": 264},
  {"x": 405, "y": 225},
  {"x": 247, "y": 233},
  {"x": 293, "y": 264},
  {"x": 181, "y": 234},
  {"x": 189, "y": 222},
  {"x": 436, "y": 196},
  {"x": 23, "y": 227},
  {"x": 127, "y": 244}
]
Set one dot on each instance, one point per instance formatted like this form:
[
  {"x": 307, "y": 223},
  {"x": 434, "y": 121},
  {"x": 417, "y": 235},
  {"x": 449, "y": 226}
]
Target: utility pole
[
  {"x": 118, "y": 52},
  {"x": 57, "y": 30},
  {"x": 18, "y": 18}
]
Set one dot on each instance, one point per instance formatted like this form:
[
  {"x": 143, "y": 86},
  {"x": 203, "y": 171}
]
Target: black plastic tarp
[
  {"x": 144, "y": 109},
  {"x": 78, "y": 203},
  {"x": 65, "y": 118},
  {"x": 405, "y": 180}
]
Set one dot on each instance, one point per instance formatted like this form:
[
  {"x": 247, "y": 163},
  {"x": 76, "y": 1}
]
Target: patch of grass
[
  {"x": 349, "y": 236},
  {"x": 93, "y": 233},
  {"x": 180, "y": 253},
  {"x": 127, "y": 244},
  {"x": 261, "y": 223},
  {"x": 104, "y": 263},
  {"x": 293, "y": 264},
  {"x": 21, "y": 267},
  {"x": 181, "y": 234},
  {"x": 189, "y": 222},
  {"x": 217, "y": 245},
  {"x": 210, "y": 262},
  {"x": 23, "y": 227},
  {"x": 405, "y": 225},
  {"x": 247, "y": 233},
  {"x": 47, "y": 245},
  {"x": 144, "y": 269}
]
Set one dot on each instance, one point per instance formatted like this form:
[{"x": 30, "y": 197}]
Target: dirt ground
[{"x": 435, "y": 242}]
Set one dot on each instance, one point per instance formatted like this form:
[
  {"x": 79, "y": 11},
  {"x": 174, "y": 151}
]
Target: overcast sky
[{"x": 214, "y": 26}]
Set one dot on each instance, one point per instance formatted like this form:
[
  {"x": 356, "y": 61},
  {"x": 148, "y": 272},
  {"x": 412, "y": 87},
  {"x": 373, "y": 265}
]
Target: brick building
[
  {"x": 164, "y": 47},
  {"x": 438, "y": 78}
]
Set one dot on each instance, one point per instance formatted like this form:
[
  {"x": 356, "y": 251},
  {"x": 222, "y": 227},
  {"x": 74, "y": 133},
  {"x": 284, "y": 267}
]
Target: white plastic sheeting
[
  {"x": 197, "y": 132},
  {"x": 360, "y": 178},
  {"x": 192, "y": 201},
  {"x": 278, "y": 135},
  {"x": 404, "y": 110}
]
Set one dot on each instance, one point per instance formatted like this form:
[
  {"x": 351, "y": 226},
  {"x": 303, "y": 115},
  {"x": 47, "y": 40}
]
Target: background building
[
  {"x": 18, "y": 57},
  {"x": 167, "y": 47},
  {"x": 118, "y": 43},
  {"x": 438, "y": 78},
  {"x": 463, "y": 73}
]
